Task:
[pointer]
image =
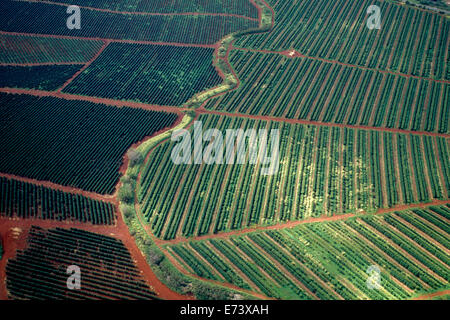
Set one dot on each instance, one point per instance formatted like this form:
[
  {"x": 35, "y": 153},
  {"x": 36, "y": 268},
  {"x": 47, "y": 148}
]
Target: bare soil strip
[
  {"x": 156, "y": 43},
  {"x": 317, "y": 123},
  {"x": 432, "y": 295},
  {"x": 99, "y": 52},
  {"x": 292, "y": 224}
]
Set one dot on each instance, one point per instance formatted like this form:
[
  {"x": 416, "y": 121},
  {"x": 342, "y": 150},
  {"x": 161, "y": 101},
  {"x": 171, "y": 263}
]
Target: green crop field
[
  {"x": 336, "y": 30},
  {"x": 328, "y": 260},
  {"x": 307, "y": 89},
  {"x": 171, "y": 77}
]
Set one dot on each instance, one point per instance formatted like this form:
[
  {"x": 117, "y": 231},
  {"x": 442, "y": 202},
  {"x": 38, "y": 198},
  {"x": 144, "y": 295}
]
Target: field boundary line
[
  {"x": 54, "y": 186},
  {"x": 105, "y": 101},
  {"x": 428, "y": 296},
  {"x": 154, "y": 43},
  {"x": 87, "y": 64},
  {"x": 291, "y": 224},
  {"x": 318, "y": 123}
]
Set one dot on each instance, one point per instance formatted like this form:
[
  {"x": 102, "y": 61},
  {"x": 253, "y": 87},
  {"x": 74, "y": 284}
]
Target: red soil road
[
  {"x": 432, "y": 295},
  {"x": 40, "y": 64},
  {"x": 295, "y": 54},
  {"x": 99, "y": 52},
  {"x": 292, "y": 224},
  {"x": 176, "y": 44},
  {"x": 119, "y": 231},
  {"x": 110, "y": 102},
  {"x": 149, "y": 13},
  {"x": 202, "y": 110}
]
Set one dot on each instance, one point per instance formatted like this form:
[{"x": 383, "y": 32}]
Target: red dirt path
[
  {"x": 110, "y": 102},
  {"x": 432, "y": 295},
  {"x": 317, "y": 123},
  {"x": 87, "y": 64},
  {"x": 292, "y": 224},
  {"x": 176, "y": 44}
]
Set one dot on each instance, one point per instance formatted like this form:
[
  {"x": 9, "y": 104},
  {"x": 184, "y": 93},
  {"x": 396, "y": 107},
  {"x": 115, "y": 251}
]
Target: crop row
[
  {"x": 36, "y": 77},
  {"x": 32, "y": 49},
  {"x": 302, "y": 88},
  {"x": 72, "y": 143},
  {"x": 44, "y": 18},
  {"x": 330, "y": 260},
  {"x": 107, "y": 269},
  {"x": 322, "y": 171},
  {"x": 26, "y": 200},
  {"x": 162, "y": 75},
  {"x": 409, "y": 41},
  {"x": 242, "y": 7}
]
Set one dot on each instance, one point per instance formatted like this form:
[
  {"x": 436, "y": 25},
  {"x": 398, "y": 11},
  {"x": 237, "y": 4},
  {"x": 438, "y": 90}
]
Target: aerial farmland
[{"x": 256, "y": 150}]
